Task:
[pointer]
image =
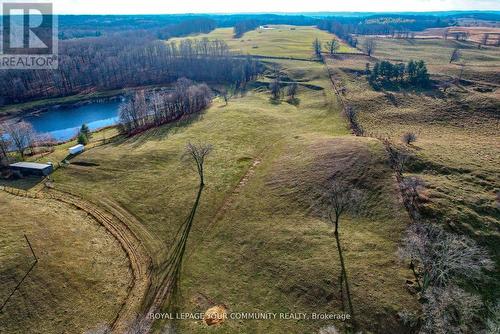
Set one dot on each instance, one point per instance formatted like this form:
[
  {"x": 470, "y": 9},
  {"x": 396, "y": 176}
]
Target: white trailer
[{"x": 77, "y": 149}]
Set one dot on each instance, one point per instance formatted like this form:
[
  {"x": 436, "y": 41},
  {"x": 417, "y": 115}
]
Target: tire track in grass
[{"x": 140, "y": 261}]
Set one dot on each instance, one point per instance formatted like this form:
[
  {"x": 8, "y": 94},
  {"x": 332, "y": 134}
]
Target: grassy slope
[
  {"x": 80, "y": 280},
  {"x": 457, "y": 148},
  {"x": 265, "y": 254},
  {"x": 279, "y": 42}
]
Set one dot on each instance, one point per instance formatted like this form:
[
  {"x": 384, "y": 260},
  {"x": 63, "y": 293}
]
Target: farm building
[
  {"x": 31, "y": 168},
  {"x": 77, "y": 149}
]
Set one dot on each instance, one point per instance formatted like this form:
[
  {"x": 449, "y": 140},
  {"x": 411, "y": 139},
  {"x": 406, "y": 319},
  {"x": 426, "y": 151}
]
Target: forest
[
  {"x": 127, "y": 60},
  {"x": 143, "y": 110}
]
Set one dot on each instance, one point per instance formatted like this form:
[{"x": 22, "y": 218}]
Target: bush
[{"x": 409, "y": 138}]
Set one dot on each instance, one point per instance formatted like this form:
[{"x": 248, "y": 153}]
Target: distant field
[
  {"x": 279, "y": 41},
  {"x": 476, "y": 34},
  {"x": 480, "y": 64},
  {"x": 81, "y": 278}
]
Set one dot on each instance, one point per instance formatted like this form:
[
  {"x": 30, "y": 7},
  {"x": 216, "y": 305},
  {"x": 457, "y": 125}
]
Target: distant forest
[
  {"x": 71, "y": 26},
  {"x": 130, "y": 59}
]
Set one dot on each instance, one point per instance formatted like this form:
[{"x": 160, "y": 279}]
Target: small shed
[
  {"x": 77, "y": 149},
  {"x": 31, "y": 168}
]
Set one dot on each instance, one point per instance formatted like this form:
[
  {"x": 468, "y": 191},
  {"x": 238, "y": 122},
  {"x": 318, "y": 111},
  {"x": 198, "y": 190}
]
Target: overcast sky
[{"x": 237, "y": 6}]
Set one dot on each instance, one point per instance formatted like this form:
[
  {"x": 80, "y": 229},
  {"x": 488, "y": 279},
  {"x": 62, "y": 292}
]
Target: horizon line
[{"x": 296, "y": 12}]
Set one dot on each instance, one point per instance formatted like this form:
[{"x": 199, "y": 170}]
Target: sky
[{"x": 253, "y": 6}]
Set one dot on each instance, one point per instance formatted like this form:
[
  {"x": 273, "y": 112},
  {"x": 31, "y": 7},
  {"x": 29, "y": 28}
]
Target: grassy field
[
  {"x": 280, "y": 41},
  {"x": 479, "y": 64},
  {"x": 81, "y": 277},
  {"x": 256, "y": 246},
  {"x": 476, "y": 34},
  {"x": 456, "y": 152},
  {"x": 265, "y": 253}
]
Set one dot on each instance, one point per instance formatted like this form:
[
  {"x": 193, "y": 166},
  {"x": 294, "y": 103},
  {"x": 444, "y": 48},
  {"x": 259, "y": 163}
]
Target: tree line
[
  {"x": 386, "y": 73},
  {"x": 382, "y": 24},
  {"x": 240, "y": 28},
  {"x": 146, "y": 109},
  {"x": 348, "y": 28},
  {"x": 184, "y": 28},
  {"x": 127, "y": 60}
]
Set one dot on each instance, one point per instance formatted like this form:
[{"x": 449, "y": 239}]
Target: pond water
[{"x": 63, "y": 123}]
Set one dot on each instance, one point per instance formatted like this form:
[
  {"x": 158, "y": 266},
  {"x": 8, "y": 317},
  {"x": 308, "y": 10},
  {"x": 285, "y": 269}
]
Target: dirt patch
[{"x": 215, "y": 315}]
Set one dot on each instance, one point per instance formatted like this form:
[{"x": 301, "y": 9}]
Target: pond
[{"x": 63, "y": 123}]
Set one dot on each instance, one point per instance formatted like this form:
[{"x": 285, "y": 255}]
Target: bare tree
[
  {"x": 438, "y": 257},
  {"x": 409, "y": 138},
  {"x": 22, "y": 136},
  {"x": 317, "y": 48},
  {"x": 144, "y": 110},
  {"x": 369, "y": 46},
  {"x": 462, "y": 65},
  {"x": 446, "y": 32},
  {"x": 292, "y": 90},
  {"x": 4, "y": 145},
  {"x": 440, "y": 261},
  {"x": 493, "y": 322},
  {"x": 352, "y": 116},
  {"x": 456, "y": 54},
  {"x": 225, "y": 95},
  {"x": 198, "y": 153},
  {"x": 449, "y": 310},
  {"x": 332, "y": 46},
  {"x": 340, "y": 198},
  {"x": 275, "y": 88}
]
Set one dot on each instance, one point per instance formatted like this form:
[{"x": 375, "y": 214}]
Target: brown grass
[{"x": 82, "y": 275}]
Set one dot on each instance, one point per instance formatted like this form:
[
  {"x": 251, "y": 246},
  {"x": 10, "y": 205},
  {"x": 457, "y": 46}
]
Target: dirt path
[
  {"x": 228, "y": 201},
  {"x": 140, "y": 262}
]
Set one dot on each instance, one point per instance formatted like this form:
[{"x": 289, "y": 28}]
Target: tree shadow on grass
[
  {"x": 344, "y": 283},
  {"x": 167, "y": 294},
  {"x": 275, "y": 101},
  {"x": 294, "y": 102}
]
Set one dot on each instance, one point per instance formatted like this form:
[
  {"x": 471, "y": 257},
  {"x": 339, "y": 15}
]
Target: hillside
[{"x": 132, "y": 230}]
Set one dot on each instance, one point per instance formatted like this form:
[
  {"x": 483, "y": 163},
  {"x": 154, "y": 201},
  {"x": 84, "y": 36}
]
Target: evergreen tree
[
  {"x": 82, "y": 139},
  {"x": 85, "y": 131}
]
